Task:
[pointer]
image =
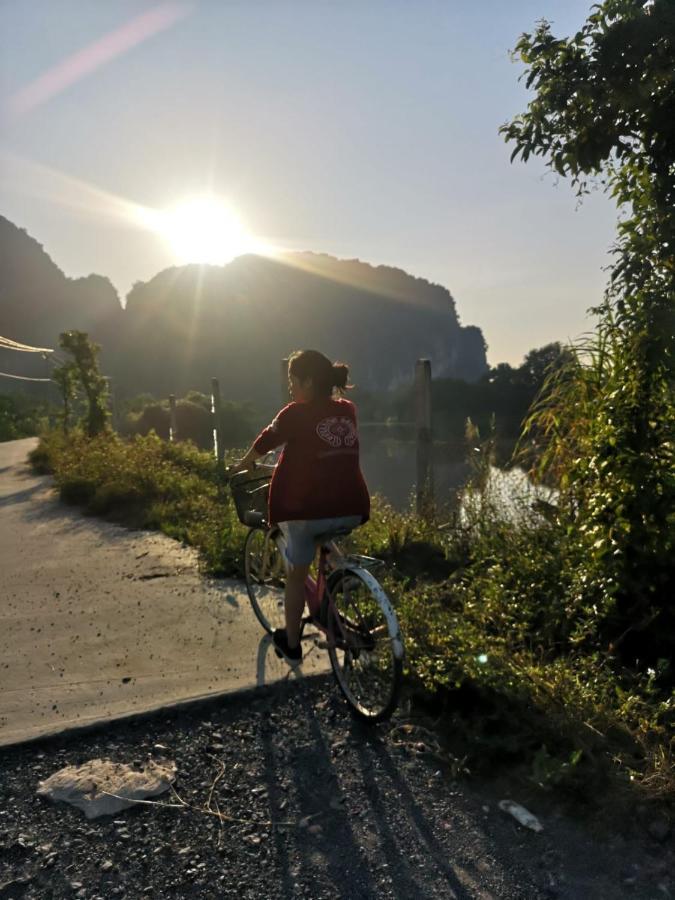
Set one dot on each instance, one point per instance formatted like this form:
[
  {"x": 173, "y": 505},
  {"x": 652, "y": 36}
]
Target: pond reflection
[{"x": 389, "y": 467}]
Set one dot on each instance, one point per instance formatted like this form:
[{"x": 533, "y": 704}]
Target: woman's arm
[
  {"x": 276, "y": 434},
  {"x": 247, "y": 460}
]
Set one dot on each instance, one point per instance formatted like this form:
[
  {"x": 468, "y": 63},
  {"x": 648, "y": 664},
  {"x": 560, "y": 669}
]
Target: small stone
[
  {"x": 15, "y": 887},
  {"x": 629, "y": 875},
  {"x": 107, "y": 865},
  {"x": 659, "y": 829}
]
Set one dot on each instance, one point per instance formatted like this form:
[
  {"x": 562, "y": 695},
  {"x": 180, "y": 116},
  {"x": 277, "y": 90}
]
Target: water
[{"x": 389, "y": 467}]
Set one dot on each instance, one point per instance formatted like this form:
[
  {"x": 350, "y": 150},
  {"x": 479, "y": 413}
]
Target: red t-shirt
[{"x": 318, "y": 474}]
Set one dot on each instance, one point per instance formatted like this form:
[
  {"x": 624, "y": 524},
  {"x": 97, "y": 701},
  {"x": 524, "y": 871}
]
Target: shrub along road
[{"x": 99, "y": 621}]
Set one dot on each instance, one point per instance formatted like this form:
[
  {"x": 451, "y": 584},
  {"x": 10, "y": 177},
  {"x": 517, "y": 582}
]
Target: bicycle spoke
[
  {"x": 264, "y": 581},
  {"x": 362, "y": 651}
]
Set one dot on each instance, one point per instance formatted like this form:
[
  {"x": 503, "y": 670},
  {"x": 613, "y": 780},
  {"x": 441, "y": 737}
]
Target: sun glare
[{"x": 205, "y": 230}]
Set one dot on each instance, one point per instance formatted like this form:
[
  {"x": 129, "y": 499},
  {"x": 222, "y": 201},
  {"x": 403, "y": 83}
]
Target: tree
[
  {"x": 539, "y": 364},
  {"x": 65, "y": 377},
  {"x": 604, "y": 111},
  {"x": 85, "y": 365}
]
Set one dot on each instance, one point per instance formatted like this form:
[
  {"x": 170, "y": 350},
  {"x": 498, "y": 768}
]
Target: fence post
[
  {"x": 218, "y": 448},
  {"x": 113, "y": 402},
  {"x": 425, "y": 482},
  {"x": 283, "y": 372},
  {"x": 172, "y": 417}
]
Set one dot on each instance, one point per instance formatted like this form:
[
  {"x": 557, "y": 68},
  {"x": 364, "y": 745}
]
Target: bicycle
[{"x": 346, "y": 603}]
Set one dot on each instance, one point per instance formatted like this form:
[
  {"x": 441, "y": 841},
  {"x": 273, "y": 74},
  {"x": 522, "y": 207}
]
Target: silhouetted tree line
[{"x": 501, "y": 398}]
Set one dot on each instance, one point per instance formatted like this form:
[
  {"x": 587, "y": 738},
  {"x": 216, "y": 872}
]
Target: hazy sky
[{"x": 361, "y": 128}]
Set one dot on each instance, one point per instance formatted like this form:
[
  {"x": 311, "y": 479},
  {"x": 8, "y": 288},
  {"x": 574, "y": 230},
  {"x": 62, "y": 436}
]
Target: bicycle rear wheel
[
  {"x": 265, "y": 578},
  {"x": 364, "y": 644}
]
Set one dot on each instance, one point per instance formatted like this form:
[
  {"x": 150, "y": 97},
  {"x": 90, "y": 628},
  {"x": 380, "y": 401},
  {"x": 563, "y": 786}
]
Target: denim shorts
[{"x": 299, "y": 536}]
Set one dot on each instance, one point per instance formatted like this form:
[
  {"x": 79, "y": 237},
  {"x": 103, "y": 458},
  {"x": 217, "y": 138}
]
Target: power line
[
  {"x": 10, "y": 344},
  {"x": 22, "y": 377}
]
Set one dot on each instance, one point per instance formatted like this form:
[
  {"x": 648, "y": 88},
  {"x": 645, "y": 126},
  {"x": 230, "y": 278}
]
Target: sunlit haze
[
  {"x": 140, "y": 135},
  {"x": 204, "y": 230}
]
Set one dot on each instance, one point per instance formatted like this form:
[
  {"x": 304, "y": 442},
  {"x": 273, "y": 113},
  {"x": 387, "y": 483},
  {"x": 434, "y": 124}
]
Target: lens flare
[{"x": 204, "y": 230}]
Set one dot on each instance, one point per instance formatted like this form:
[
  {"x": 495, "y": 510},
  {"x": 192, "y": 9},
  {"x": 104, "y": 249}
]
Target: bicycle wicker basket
[{"x": 250, "y": 491}]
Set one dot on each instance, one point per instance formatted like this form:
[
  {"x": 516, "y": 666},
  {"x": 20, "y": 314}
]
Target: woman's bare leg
[{"x": 295, "y": 602}]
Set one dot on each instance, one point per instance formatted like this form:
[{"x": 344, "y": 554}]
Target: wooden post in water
[
  {"x": 172, "y": 417},
  {"x": 425, "y": 481},
  {"x": 218, "y": 447},
  {"x": 283, "y": 372}
]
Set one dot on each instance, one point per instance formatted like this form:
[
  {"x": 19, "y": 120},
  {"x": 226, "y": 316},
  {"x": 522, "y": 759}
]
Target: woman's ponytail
[
  {"x": 325, "y": 375},
  {"x": 341, "y": 376}
]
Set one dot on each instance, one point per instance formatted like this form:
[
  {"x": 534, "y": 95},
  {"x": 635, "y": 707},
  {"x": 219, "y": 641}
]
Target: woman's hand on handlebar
[{"x": 247, "y": 462}]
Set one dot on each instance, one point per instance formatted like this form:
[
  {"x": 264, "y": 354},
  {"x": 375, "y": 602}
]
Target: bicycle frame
[{"x": 316, "y": 588}]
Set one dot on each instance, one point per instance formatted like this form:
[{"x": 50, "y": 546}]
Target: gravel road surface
[{"x": 358, "y": 814}]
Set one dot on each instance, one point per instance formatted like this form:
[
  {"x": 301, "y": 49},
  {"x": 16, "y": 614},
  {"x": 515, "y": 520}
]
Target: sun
[{"x": 204, "y": 230}]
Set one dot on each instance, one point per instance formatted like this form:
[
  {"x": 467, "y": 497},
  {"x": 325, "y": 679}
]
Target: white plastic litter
[
  {"x": 520, "y": 814},
  {"x": 88, "y": 786}
]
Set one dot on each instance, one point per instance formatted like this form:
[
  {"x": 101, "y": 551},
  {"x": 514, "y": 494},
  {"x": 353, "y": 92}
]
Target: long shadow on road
[
  {"x": 353, "y": 833},
  {"x": 354, "y": 817}
]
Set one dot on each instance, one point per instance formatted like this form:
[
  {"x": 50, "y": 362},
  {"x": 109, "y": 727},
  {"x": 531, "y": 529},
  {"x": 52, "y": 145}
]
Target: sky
[{"x": 359, "y": 128}]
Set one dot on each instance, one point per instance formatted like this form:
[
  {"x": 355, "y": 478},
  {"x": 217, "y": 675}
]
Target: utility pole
[
  {"x": 425, "y": 481},
  {"x": 216, "y": 412},
  {"x": 172, "y": 418}
]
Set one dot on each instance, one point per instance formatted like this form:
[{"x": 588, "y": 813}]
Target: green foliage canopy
[
  {"x": 84, "y": 366},
  {"x": 604, "y": 109}
]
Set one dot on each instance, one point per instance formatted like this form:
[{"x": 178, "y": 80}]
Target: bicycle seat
[{"x": 328, "y": 536}]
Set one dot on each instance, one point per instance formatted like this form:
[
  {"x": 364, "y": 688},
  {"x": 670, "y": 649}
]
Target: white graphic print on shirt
[{"x": 338, "y": 431}]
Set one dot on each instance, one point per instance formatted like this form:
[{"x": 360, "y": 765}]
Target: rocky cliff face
[
  {"x": 38, "y": 301},
  {"x": 237, "y": 321}
]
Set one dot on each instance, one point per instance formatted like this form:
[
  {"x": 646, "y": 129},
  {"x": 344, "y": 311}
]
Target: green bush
[{"x": 22, "y": 416}]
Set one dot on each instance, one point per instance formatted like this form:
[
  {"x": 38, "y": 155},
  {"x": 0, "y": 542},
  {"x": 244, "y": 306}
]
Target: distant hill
[
  {"x": 38, "y": 301},
  {"x": 237, "y": 321}
]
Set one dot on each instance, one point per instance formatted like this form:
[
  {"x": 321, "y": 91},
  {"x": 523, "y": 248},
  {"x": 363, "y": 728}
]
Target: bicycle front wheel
[
  {"x": 265, "y": 578},
  {"x": 364, "y": 644}
]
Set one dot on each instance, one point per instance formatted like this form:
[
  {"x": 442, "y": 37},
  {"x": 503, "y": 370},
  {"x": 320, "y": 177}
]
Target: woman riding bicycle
[{"x": 317, "y": 486}]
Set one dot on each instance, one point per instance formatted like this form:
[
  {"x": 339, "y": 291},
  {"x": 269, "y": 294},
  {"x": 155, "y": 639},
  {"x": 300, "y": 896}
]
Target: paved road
[{"x": 97, "y": 621}]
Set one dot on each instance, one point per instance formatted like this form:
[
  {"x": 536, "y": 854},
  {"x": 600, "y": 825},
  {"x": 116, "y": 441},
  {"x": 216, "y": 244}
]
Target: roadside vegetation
[{"x": 23, "y": 416}]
